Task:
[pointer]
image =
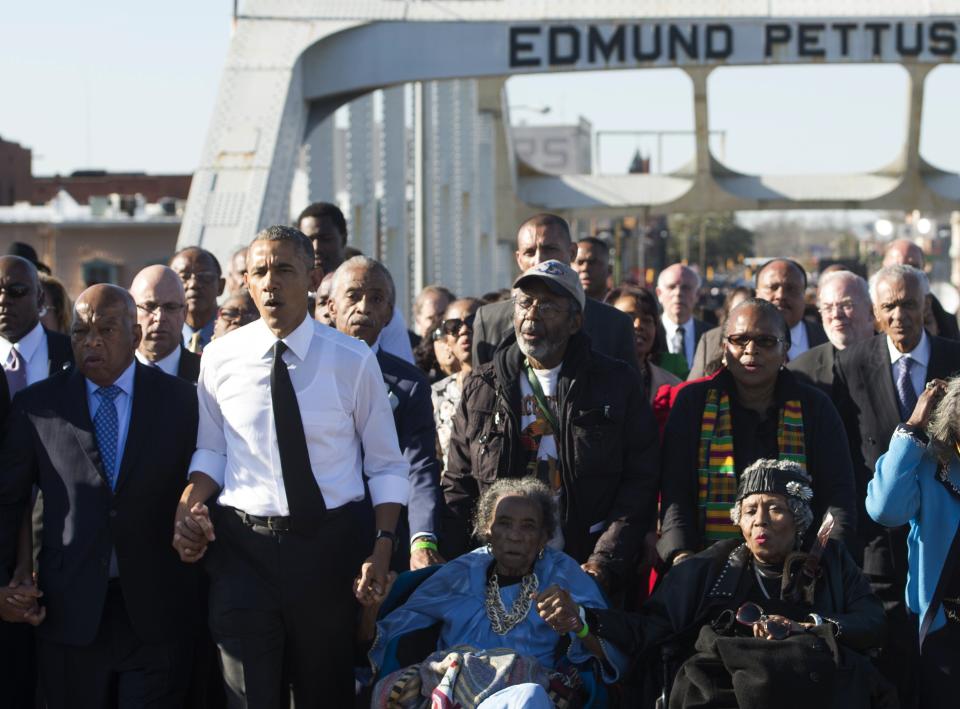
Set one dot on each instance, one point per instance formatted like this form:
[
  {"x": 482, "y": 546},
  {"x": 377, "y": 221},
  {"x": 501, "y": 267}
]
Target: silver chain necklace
[{"x": 501, "y": 620}]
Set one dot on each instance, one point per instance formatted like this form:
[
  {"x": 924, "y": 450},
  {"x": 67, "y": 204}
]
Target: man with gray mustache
[{"x": 550, "y": 406}]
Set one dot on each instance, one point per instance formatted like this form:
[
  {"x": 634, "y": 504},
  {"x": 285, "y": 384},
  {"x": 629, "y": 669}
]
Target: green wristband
[
  {"x": 422, "y": 544},
  {"x": 584, "y": 631}
]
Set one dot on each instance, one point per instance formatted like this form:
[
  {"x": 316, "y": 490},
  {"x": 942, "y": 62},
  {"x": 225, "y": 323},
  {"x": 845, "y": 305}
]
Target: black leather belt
[{"x": 274, "y": 524}]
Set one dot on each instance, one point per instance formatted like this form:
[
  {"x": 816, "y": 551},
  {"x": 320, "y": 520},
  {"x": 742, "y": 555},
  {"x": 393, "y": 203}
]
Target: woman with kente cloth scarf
[
  {"x": 751, "y": 408},
  {"x": 755, "y": 622}
]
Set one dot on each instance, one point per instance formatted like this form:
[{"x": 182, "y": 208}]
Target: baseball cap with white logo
[{"x": 559, "y": 277}]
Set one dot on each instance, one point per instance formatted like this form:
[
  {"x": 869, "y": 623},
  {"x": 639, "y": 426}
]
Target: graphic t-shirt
[{"x": 538, "y": 437}]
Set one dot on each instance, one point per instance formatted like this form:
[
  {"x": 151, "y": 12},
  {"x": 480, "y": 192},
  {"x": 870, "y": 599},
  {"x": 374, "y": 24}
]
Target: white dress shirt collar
[
  {"x": 298, "y": 341},
  {"x": 27, "y": 344},
  {"x": 124, "y": 381},
  {"x": 168, "y": 365},
  {"x": 919, "y": 354}
]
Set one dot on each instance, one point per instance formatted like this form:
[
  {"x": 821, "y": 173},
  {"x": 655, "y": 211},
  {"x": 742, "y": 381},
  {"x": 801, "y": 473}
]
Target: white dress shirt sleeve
[
  {"x": 210, "y": 458},
  {"x": 386, "y": 468}
]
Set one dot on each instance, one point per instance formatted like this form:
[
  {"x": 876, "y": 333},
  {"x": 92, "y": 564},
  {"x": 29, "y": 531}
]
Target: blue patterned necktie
[
  {"x": 106, "y": 425},
  {"x": 906, "y": 394}
]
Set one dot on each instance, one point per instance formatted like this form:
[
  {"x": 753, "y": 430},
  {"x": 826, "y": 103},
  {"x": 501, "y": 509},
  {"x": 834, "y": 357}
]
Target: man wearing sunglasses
[
  {"x": 361, "y": 303},
  {"x": 30, "y": 353},
  {"x": 161, "y": 306}
]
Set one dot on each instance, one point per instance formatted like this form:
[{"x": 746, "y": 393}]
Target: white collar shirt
[
  {"x": 168, "y": 365},
  {"x": 347, "y": 420},
  {"x": 689, "y": 341},
  {"x": 921, "y": 358},
  {"x": 799, "y": 342},
  {"x": 33, "y": 348}
]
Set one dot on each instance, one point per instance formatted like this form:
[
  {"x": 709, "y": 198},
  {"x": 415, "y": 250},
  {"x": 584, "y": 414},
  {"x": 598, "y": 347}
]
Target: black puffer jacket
[{"x": 607, "y": 450}]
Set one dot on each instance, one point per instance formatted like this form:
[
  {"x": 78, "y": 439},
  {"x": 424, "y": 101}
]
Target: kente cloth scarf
[{"x": 717, "y": 477}]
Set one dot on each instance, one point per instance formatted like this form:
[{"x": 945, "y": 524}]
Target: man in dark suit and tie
[
  {"x": 541, "y": 238},
  {"x": 783, "y": 282},
  {"x": 161, "y": 309},
  {"x": 677, "y": 289},
  {"x": 29, "y": 354},
  {"x": 108, "y": 443},
  {"x": 843, "y": 299},
  {"x": 937, "y": 320},
  {"x": 876, "y": 385},
  {"x": 203, "y": 283},
  {"x": 361, "y": 304}
]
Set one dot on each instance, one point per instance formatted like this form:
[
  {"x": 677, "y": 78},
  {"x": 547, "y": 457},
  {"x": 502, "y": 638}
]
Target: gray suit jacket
[
  {"x": 815, "y": 367},
  {"x": 609, "y": 330}
]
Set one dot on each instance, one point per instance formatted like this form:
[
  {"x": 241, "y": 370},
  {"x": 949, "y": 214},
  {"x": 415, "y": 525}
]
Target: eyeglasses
[
  {"x": 750, "y": 614},
  {"x": 206, "y": 277},
  {"x": 764, "y": 342},
  {"x": 234, "y": 315},
  {"x": 452, "y": 326},
  {"x": 151, "y": 308},
  {"x": 847, "y": 306},
  {"x": 14, "y": 291},
  {"x": 548, "y": 309}
]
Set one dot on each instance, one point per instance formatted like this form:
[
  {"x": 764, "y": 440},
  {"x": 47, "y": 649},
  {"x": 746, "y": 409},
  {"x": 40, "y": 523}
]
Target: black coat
[
  {"x": 698, "y": 589},
  {"x": 607, "y": 449},
  {"x": 828, "y": 459},
  {"x": 50, "y": 443},
  {"x": 609, "y": 330},
  {"x": 189, "y": 367},
  {"x": 409, "y": 393}
]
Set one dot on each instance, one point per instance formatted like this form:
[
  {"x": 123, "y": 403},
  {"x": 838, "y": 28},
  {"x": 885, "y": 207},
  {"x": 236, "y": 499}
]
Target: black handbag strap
[{"x": 949, "y": 569}]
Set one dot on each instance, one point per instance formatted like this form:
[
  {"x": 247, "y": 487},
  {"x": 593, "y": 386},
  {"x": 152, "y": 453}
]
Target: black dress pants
[
  {"x": 282, "y": 609},
  {"x": 940, "y": 668},
  {"x": 117, "y": 669}
]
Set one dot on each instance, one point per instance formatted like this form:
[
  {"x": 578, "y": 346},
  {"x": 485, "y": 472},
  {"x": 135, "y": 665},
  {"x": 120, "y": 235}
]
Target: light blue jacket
[{"x": 905, "y": 489}]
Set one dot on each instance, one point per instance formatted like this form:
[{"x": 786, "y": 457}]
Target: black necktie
[{"x": 303, "y": 494}]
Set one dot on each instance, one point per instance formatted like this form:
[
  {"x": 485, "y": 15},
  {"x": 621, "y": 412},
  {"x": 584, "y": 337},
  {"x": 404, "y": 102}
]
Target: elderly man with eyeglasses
[
  {"x": 843, "y": 299},
  {"x": 550, "y": 406},
  {"x": 161, "y": 308}
]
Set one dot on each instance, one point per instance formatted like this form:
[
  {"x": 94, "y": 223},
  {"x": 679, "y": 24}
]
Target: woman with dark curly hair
[{"x": 505, "y": 594}]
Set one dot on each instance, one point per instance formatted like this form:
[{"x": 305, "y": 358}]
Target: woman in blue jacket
[{"x": 917, "y": 481}]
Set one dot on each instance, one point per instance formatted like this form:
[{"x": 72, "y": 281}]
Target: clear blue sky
[{"x": 131, "y": 86}]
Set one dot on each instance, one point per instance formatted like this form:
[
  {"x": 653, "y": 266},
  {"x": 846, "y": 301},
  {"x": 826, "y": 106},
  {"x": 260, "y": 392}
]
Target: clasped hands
[
  {"x": 192, "y": 531},
  {"x": 19, "y": 600},
  {"x": 558, "y": 609}
]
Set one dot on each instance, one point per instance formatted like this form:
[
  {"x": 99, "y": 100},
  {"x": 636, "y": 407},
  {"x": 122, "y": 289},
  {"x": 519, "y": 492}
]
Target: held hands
[
  {"x": 19, "y": 602},
  {"x": 926, "y": 403},
  {"x": 375, "y": 580},
  {"x": 559, "y": 610},
  {"x": 192, "y": 531}
]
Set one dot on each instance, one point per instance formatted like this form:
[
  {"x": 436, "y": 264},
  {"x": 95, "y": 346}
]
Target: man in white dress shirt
[
  {"x": 293, "y": 417},
  {"x": 161, "y": 309},
  {"x": 677, "y": 289}
]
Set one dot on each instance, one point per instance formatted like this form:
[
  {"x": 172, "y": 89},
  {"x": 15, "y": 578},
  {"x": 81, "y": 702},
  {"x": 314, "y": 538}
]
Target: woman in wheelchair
[
  {"x": 718, "y": 614},
  {"x": 506, "y": 636}
]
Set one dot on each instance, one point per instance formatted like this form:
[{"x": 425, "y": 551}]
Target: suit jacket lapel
[
  {"x": 77, "y": 414},
  {"x": 141, "y": 420},
  {"x": 884, "y": 394}
]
